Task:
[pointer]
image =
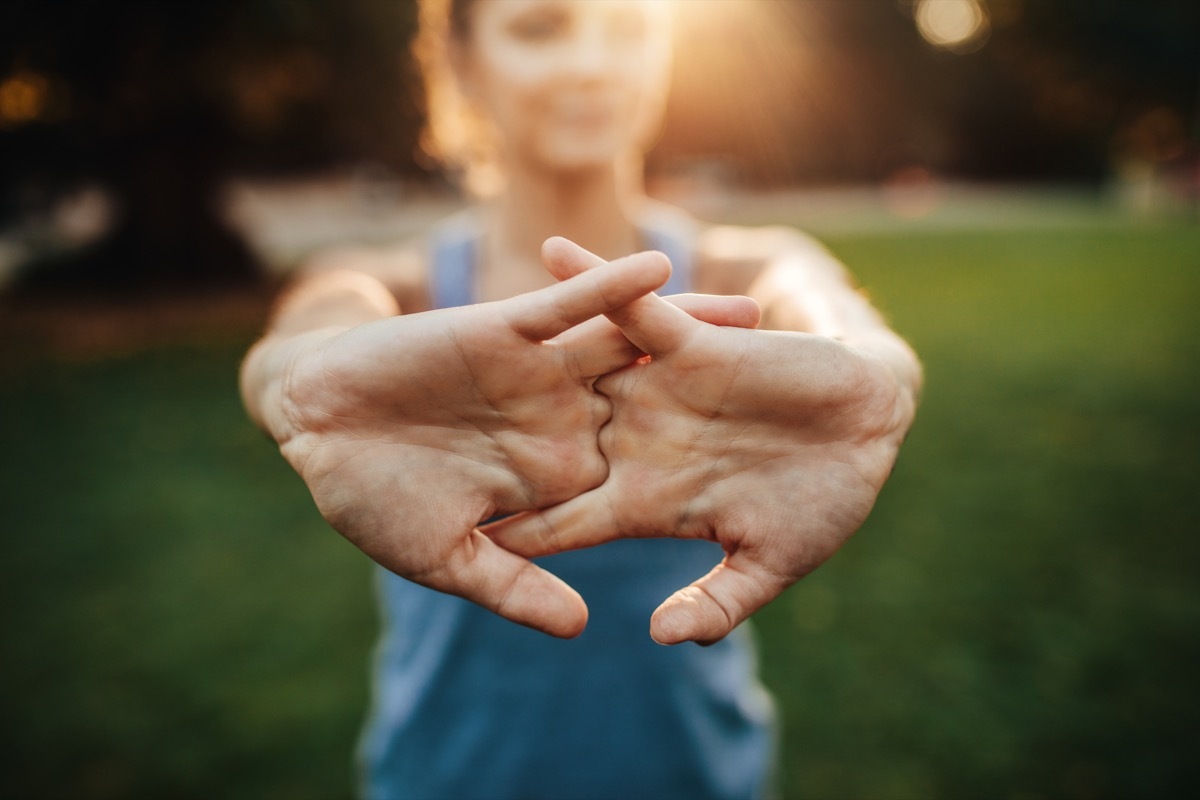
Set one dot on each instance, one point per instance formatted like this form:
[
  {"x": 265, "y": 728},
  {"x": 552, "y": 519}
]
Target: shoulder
[
  {"x": 734, "y": 243},
  {"x": 730, "y": 258},
  {"x": 404, "y": 266}
]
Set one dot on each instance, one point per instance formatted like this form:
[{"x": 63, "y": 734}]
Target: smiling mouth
[
  {"x": 589, "y": 119},
  {"x": 587, "y": 115}
]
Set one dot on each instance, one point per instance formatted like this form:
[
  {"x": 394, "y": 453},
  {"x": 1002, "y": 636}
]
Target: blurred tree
[
  {"x": 1075, "y": 74},
  {"x": 160, "y": 102}
]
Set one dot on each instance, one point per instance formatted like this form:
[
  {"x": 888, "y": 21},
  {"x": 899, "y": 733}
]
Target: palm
[
  {"x": 514, "y": 418},
  {"x": 702, "y": 428},
  {"x": 773, "y": 444},
  {"x": 409, "y": 431}
]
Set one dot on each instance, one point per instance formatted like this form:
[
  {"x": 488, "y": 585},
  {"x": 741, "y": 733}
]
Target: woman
[{"x": 453, "y": 445}]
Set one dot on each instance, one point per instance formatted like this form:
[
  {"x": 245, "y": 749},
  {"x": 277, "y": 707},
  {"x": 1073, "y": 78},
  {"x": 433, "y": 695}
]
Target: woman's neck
[{"x": 592, "y": 210}]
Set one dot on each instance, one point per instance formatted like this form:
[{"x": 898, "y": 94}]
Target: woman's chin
[{"x": 582, "y": 158}]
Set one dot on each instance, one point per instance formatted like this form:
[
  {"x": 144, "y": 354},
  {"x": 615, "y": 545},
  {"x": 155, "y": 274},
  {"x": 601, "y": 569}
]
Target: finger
[
  {"x": 548, "y": 312},
  {"x": 512, "y": 587},
  {"x": 709, "y": 609},
  {"x": 564, "y": 259},
  {"x": 653, "y": 325},
  {"x": 597, "y": 347},
  {"x": 731, "y": 311},
  {"x": 583, "y": 521}
]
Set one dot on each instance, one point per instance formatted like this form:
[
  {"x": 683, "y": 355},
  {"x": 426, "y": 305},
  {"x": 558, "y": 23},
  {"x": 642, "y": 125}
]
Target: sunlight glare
[{"x": 743, "y": 82}]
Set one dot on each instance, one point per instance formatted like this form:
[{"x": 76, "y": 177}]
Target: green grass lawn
[{"x": 1018, "y": 619}]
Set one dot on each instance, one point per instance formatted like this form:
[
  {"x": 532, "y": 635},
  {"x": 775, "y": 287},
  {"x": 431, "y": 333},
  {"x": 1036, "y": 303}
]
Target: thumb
[
  {"x": 583, "y": 521},
  {"x": 709, "y": 609},
  {"x": 511, "y": 586}
]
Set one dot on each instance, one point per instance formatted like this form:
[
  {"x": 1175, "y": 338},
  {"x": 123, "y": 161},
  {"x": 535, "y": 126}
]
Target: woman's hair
[{"x": 456, "y": 136}]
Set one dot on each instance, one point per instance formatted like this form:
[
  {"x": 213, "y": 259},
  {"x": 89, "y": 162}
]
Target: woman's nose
[{"x": 592, "y": 54}]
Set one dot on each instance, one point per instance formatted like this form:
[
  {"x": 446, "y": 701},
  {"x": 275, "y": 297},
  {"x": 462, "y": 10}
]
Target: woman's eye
[{"x": 540, "y": 26}]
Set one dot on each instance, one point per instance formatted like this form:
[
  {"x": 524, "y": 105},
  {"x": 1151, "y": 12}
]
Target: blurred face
[{"x": 568, "y": 84}]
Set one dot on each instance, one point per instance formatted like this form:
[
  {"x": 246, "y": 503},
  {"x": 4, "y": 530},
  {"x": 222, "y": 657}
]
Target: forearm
[
  {"x": 313, "y": 309},
  {"x": 809, "y": 290}
]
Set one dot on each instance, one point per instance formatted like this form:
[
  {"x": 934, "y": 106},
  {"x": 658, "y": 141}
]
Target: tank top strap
[
  {"x": 453, "y": 256},
  {"x": 677, "y": 246}
]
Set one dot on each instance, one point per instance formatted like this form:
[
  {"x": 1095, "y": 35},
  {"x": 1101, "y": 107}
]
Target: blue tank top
[{"x": 468, "y": 705}]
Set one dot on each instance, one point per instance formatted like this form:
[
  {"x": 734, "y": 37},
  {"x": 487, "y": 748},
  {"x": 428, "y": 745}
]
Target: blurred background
[{"x": 1016, "y": 183}]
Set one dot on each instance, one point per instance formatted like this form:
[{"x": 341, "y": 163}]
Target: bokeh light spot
[
  {"x": 960, "y": 26},
  {"x": 22, "y": 98}
]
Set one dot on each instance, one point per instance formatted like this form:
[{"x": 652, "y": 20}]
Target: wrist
[
  {"x": 313, "y": 310},
  {"x": 265, "y": 374},
  {"x": 902, "y": 364}
]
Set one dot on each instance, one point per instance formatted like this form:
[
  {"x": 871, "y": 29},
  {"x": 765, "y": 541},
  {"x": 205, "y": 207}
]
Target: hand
[
  {"x": 411, "y": 430},
  {"x": 773, "y": 444}
]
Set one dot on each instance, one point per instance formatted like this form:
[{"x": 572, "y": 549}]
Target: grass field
[{"x": 1020, "y": 617}]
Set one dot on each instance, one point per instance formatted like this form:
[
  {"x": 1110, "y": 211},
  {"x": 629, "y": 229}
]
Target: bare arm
[{"x": 801, "y": 286}]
